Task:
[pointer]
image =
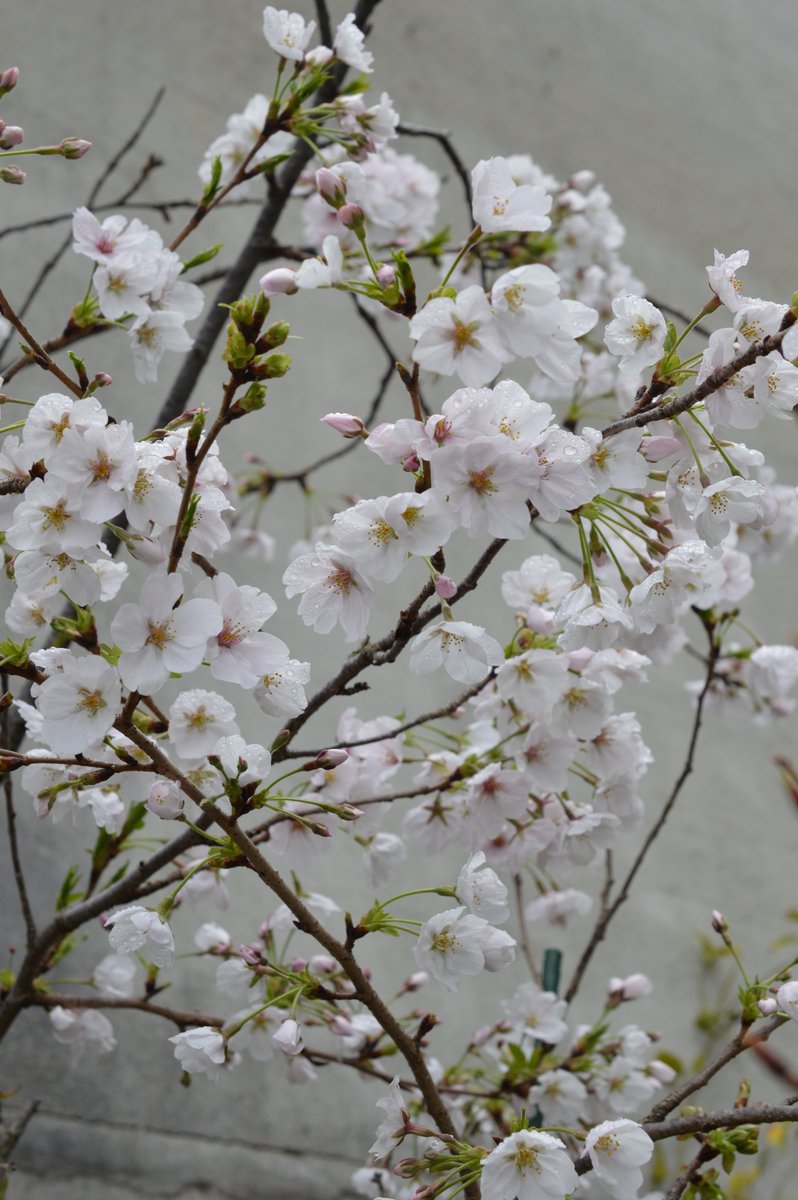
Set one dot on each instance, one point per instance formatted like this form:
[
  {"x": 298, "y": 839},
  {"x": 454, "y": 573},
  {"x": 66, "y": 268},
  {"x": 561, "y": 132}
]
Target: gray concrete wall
[{"x": 685, "y": 113}]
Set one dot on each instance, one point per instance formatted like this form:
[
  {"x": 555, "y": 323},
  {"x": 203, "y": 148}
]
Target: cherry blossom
[
  {"x": 465, "y": 651},
  {"x": 140, "y": 930},
  {"x": 501, "y": 204},
  {"x": 528, "y": 1165},
  {"x": 287, "y": 33},
  {"x": 200, "y": 1051},
  {"x": 617, "y": 1150}
]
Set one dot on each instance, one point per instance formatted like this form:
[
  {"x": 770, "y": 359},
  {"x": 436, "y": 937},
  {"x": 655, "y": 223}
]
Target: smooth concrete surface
[{"x": 685, "y": 114}]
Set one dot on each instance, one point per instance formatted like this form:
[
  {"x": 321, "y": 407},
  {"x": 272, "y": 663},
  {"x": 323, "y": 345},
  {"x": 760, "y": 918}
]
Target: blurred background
[{"x": 685, "y": 113}]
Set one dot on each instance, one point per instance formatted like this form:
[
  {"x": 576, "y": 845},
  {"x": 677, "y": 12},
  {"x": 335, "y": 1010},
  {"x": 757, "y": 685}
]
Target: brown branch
[
  {"x": 609, "y": 910},
  {"x": 746, "y": 1039},
  {"x": 39, "y": 355},
  {"x": 180, "y": 1018},
  {"x": 444, "y": 138},
  {"x": 13, "y": 844},
  {"x": 9, "y": 1136}
]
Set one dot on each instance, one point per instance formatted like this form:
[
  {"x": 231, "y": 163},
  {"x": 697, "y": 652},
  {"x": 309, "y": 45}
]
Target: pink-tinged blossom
[
  {"x": 79, "y": 704},
  {"x": 501, "y": 205},
  {"x": 115, "y": 236},
  {"x": 559, "y": 476},
  {"x": 348, "y": 45},
  {"x": 557, "y": 907},
  {"x": 723, "y": 279},
  {"x": 81, "y": 1029},
  {"x": 50, "y": 570},
  {"x": 486, "y": 483},
  {"x": 528, "y": 1165},
  {"x": 165, "y": 800},
  {"x": 239, "y": 652},
  {"x": 465, "y": 651},
  {"x": 332, "y": 589},
  {"x": 287, "y": 33},
  {"x": 537, "y": 324},
  {"x": 617, "y": 1150},
  {"x": 279, "y": 282},
  {"x": 546, "y": 756},
  {"x": 729, "y": 405},
  {"x": 787, "y": 998},
  {"x": 289, "y": 1037},
  {"x": 157, "y": 638},
  {"x": 537, "y": 587},
  {"x": 325, "y": 270},
  {"x": 197, "y": 719},
  {"x": 459, "y": 337},
  {"x": 101, "y": 463},
  {"x": 200, "y": 1051},
  {"x": 123, "y": 284},
  {"x": 450, "y": 946},
  {"x": 535, "y": 680},
  {"x": 137, "y": 930},
  {"x": 636, "y": 335}
]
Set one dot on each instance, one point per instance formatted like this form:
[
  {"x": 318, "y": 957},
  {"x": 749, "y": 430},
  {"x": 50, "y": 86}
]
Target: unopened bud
[
  {"x": 319, "y": 56},
  {"x": 346, "y": 424},
  {"x": 327, "y": 760},
  {"x": 12, "y": 135},
  {"x": 322, "y": 964},
  {"x": 8, "y": 79},
  {"x": 445, "y": 587},
  {"x": 331, "y": 187},
  {"x": 251, "y": 955},
  {"x": 386, "y": 275},
  {"x": 417, "y": 980},
  {"x": 657, "y": 447},
  {"x": 411, "y": 463},
  {"x": 281, "y": 281},
  {"x": 11, "y": 175},
  {"x": 482, "y": 1035},
  {"x": 634, "y": 987},
  {"x": 298, "y": 964},
  {"x": 73, "y": 147},
  {"x": 719, "y": 923},
  {"x": 102, "y": 379},
  {"x": 582, "y": 180},
  {"x": 351, "y": 217},
  {"x": 768, "y": 1005},
  {"x": 145, "y": 549}
]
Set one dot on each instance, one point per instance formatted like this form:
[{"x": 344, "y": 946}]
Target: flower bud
[
  {"x": 322, "y": 964},
  {"x": 165, "y": 800},
  {"x": 351, "y": 217},
  {"x": 417, "y": 980},
  {"x": 445, "y": 587},
  {"x": 72, "y": 147},
  {"x": 582, "y": 180},
  {"x": 12, "y": 135},
  {"x": 411, "y": 463},
  {"x": 658, "y": 447},
  {"x": 319, "y": 56},
  {"x": 768, "y": 1005},
  {"x": 482, "y": 1035},
  {"x": 145, "y": 549},
  {"x": 331, "y": 187},
  {"x": 346, "y": 424},
  {"x": 251, "y": 955},
  {"x": 281, "y": 281},
  {"x": 298, "y": 964},
  {"x": 102, "y": 379},
  {"x": 8, "y": 79},
  {"x": 289, "y": 1037},
  {"x": 11, "y": 175},
  {"x": 386, "y": 275},
  {"x": 719, "y": 923},
  {"x": 634, "y": 987},
  {"x": 327, "y": 760}
]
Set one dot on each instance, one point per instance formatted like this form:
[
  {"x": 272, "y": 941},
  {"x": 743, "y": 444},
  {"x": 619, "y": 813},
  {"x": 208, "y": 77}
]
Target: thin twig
[
  {"x": 39, "y": 354},
  {"x": 523, "y": 929},
  {"x": 182, "y": 1019},
  {"x": 608, "y": 912},
  {"x": 444, "y": 139},
  {"x": 13, "y": 844}
]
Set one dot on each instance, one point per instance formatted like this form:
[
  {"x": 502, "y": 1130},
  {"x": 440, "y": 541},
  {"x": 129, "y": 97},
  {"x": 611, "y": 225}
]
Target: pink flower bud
[
  {"x": 72, "y": 147},
  {"x": 11, "y": 175},
  {"x": 768, "y": 1005},
  {"x": 327, "y": 760},
  {"x": 12, "y": 135},
  {"x": 660, "y": 1071},
  {"x": 386, "y": 275},
  {"x": 445, "y": 587},
  {"x": 102, "y": 379},
  {"x": 719, "y": 922},
  {"x": 582, "y": 180},
  {"x": 322, "y": 964},
  {"x": 146, "y": 550},
  {"x": 331, "y": 187},
  {"x": 482, "y": 1035},
  {"x": 417, "y": 980},
  {"x": 346, "y": 424},
  {"x": 655, "y": 448},
  {"x": 351, "y": 217},
  {"x": 281, "y": 281},
  {"x": 579, "y": 659},
  {"x": 411, "y": 463},
  {"x": 251, "y": 955},
  {"x": 298, "y": 964},
  {"x": 8, "y": 79},
  {"x": 634, "y": 987}
]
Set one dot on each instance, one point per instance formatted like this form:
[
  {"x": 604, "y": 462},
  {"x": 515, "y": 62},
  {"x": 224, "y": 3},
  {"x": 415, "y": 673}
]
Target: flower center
[{"x": 90, "y": 702}]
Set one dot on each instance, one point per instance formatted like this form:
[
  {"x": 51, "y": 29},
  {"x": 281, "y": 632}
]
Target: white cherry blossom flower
[
  {"x": 537, "y": 1014},
  {"x": 323, "y": 271},
  {"x": 79, "y": 704},
  {"x": 287, "y": 33},
  {"x": 723, "y": 279},
  {"x": 48, "y": 517},
  {"x": 451, "y": 945},
  {"x": 486, "y": 483},
  {"x": 81, "y": 1029},
  {"x": 500, "y": 204},
  {"x": 561, "y": 1097},
  {"x": 557, "y": 907},
  {"x": 200, "y": 1051},
  {"x": 481, "y": 890},
  {"x": 239, "y": 652},
  {"x": 393, "y": 1127},
  {"x": 115, "y": 976},
  {"x": 151, "y": 336},
  {"x": 333, "y": 591},
  {"x": 158, "y": 638},
  {"x": 348, "y": 45},
  {"x": 617, "y": 1151},
  {"x": 289, "y": 1037},
  {"x": 137, "y": 930},
  {"x": 280, "y": 692},
  {"x": 465, "y": 651},
  {"x": 197, "y": 719},
  {"x": 742, "y": 501},
  {"x": 459, "y": 337},
  {"x": 528, "y": 1165},
  {"x": 787, "y": 998},
  {"x": 636, "y": 335}
]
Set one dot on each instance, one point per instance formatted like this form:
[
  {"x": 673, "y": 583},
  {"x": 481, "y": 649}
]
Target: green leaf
[
  {"x": 671, "y": 338},
  {"x": 15, "y": 654},
  {"x": 69, "y": 890},
  {"x": 213, "y": 185},
  {"x": 203, "y": 257}
]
